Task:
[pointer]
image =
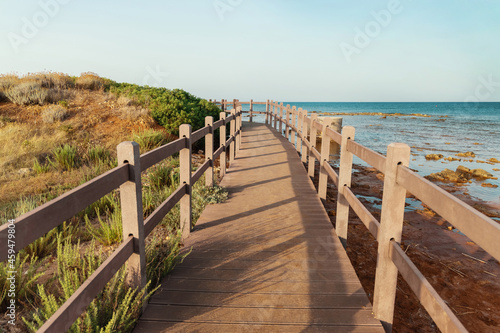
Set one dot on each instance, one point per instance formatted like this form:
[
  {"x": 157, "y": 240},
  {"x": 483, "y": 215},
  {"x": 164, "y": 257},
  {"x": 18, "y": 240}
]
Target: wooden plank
[
  {"x": 159, "y": 213},
  {"x": 53, "y": 213},
  {"x": 174, "y": 327},
  {"x": 289, "y": 301},
  {"x": 159, "y": 154},
  {"x": 362, "y": 212},
  {"x": 199, "y": 134},
  {"x": 444, "y": 318},
  {"x": 478, "y": 227},
  {"x": 369, "y": 156},
  {"x": 200, "y": 171},
  {"x": 66, "y": 315},
  {"x": 256, "y": 315}
]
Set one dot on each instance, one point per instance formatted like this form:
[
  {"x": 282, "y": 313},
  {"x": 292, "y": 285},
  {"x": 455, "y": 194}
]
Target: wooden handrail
[
  {"x": 34, "y": 224},
  {"x": 481, "y": 229},
  {"x": 159, "y": 154}
]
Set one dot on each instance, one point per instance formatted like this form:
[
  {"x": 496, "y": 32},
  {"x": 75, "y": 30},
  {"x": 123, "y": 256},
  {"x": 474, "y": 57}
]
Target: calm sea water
[{"x": 450, "y": 129}]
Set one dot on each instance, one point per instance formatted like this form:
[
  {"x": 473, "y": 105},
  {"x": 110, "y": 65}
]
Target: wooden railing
[
  {"x": 127, "y": 177},
  {"x": 398, "y": 179}
]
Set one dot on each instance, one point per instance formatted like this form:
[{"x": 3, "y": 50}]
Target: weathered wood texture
[{"x": 266, "y": 260}]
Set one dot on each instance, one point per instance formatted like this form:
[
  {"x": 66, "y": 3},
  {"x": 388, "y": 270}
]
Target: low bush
[
  {"x": 90, "y": 81},
  {"x": 54, "y": 113},
  {"x": 27, "y": 93},
  {"x": 51, "y": 80}
]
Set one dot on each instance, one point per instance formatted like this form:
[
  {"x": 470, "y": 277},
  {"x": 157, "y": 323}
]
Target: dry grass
[
  {"x": 21, "y": 144},
  {"x": 54, "y": 113}
]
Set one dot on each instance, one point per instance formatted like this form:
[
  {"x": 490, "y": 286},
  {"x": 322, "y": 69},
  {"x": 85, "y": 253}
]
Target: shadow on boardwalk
[{"x": 265, "y": 260}]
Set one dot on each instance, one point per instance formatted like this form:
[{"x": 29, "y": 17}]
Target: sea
[{"x": 428, "y": 128}]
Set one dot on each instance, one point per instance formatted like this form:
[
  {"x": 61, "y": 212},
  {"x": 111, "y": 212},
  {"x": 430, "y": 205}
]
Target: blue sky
[{"x": 317, "y": 50}]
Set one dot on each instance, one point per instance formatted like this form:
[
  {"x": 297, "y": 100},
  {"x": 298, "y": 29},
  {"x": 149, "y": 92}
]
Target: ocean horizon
[{"x": 446, "y": 128}]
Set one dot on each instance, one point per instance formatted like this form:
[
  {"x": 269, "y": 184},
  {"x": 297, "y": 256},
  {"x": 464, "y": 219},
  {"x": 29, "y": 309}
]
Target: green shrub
[
  {"x": 40, "y": 168},
  {"x": 115, "y": 309},
  {"x": 65, "y": 157},
  {"x": 170, "y": 108},
  {"x": 26, "y": 276},
  {"x": 159, "y": 176},
  {"x": 150, "y": 139},
  {"x": 27, "y": 93},
  {"x": 98, "y": 155},
  {"x": 54, "y": 113},
  {"x": 109, "y": 232},
  {"x": 162, "y": 254}
]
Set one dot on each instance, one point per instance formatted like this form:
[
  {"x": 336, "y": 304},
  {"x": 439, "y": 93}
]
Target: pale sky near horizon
[{"x": 317, "y": 50}]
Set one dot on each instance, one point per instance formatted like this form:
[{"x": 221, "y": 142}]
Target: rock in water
[
  {"x": 466, "y": 154},
  {"x": 481, "y": 174},
  {"x": 434, "y": 157}
]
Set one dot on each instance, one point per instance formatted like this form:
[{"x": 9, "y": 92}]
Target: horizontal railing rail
[
  {"x": 127, "y": 177},
  {"x": 303, "y": 132}
]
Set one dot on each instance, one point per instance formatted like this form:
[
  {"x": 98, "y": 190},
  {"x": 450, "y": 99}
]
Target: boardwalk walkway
[{"x": 266, "y": 260}]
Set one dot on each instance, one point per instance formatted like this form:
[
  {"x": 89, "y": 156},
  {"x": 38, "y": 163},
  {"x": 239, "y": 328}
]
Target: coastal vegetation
[{"x": 57, "y": 132}]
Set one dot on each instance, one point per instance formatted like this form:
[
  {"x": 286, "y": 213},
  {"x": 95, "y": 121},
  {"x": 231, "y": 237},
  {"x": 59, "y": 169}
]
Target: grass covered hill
[{"x": 57, "y": 132}]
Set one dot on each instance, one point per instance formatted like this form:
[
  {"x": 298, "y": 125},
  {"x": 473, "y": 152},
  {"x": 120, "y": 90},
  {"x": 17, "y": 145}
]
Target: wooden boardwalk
[{"x": 266, "y": 260}]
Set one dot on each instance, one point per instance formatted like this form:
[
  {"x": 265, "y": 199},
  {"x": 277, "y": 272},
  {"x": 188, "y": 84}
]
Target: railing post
[
  {"x": 299, "y": 129},
  {"x": 271, "y": 113},
  {"x": 275, "y": 114},
  {"x": 209, "y": 151},
  {"x": 239, "y": 117},
  {"x": 312, "y": 140},
  {"x": 222, "y": 140},
  {"x": 293, "y": 124},
  {"x": 287, "y": 121},
  {"x": 281, "y": 118},
  {"x": 251, "y": 110},
  {"x": 232, "y": 130},
  {"x": 185, "y": 178},
  {"x": 391, "y": 227},
  {"x": 304, "y": 135},
  {"x": 325, "y": 157},
  {"x": 267, "y": 112},
  {"x": 132, "y": 215},
  {"x": 345, "y": 171}
]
